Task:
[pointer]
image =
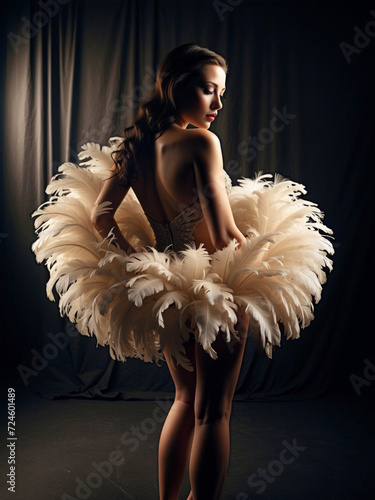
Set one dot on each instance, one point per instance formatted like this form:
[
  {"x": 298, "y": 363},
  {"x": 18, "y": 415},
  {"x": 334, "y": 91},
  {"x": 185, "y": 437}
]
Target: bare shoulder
[
  {"x": 201, "y": 137},
  {"x": 194, "y": 145},
  {"x": 202, "y": 143},
  {"x": 206, "y": 150},
  {"x": 192, "y": 136}
]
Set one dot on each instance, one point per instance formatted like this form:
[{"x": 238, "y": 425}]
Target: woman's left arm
[{"x": 114, "y": 192}]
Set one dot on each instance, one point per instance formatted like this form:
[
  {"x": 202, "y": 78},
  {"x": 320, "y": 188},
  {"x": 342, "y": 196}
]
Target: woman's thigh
[
  {"x": 212, "y": 381},
  {"x": 217, "y": 378},
  {"x": 184, "y": 380}
]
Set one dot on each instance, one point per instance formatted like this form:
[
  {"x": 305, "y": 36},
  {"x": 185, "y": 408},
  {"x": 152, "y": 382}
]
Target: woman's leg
[
  {"x": 176, "y": 436},
  {"x": 216, "y": 383}
]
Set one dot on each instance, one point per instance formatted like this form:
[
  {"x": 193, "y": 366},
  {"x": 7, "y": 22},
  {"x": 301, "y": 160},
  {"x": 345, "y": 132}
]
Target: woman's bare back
[{"x": 166, "y": 184}]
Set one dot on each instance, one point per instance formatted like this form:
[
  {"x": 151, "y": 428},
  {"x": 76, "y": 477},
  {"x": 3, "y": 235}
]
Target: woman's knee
[
  {"x": 185, "y": 396},
  {"x": 208, "y": 412}
]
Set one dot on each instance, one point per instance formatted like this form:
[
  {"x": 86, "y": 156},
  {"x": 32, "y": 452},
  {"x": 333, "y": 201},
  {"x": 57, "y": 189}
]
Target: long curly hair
[{"x": 157, "y": 114}]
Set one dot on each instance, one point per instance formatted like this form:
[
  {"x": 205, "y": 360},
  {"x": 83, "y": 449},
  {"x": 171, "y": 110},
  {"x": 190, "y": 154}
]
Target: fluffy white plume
[{"x": 137, "y": 304}]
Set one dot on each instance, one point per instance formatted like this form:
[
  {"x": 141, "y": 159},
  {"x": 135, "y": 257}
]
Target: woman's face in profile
[{"x": 202, "y": 98}]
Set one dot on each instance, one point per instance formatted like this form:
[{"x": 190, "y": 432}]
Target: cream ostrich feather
[{"x": 139, "y": 303}]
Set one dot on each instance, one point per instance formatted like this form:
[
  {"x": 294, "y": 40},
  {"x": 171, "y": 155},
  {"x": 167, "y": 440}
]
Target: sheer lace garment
[{"x": 179, "y": 232}]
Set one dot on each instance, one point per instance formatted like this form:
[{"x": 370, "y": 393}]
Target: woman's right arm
[
  {"x": 113, "y": 192},
  {"x": 208, "y": 164}
]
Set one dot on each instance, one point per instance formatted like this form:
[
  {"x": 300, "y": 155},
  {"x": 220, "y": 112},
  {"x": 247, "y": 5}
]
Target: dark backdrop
[{"x": 74, "y": 71}]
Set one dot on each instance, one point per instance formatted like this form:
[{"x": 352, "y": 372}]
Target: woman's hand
[{"x": 104, "y": 224}]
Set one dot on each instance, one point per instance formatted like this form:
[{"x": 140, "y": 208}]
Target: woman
[
  {"x": 179, "y": 163},
  {"x": 217, "y": 259}
]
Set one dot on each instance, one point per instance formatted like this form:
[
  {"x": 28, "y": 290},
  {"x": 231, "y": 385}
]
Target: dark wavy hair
[{"x": 157, "y": 114}]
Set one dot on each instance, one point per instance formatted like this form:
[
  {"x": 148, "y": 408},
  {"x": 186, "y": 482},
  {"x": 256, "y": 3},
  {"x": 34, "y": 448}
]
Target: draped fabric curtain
[{"x": 300, "y": 101}]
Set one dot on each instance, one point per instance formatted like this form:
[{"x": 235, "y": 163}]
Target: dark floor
[{"x": 106, "y": 450}]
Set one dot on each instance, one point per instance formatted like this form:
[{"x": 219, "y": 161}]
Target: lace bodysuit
[{"x": 179, "y": 232}]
